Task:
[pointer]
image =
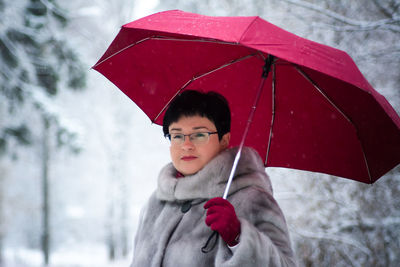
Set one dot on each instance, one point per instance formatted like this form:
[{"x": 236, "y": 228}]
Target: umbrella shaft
[{"x": 266, "y": 69}]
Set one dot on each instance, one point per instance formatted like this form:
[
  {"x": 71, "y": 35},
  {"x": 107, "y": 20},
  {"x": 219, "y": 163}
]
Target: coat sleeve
[
  {"x": 264, "y": 238},
  {"x": 139, "y": 231}
]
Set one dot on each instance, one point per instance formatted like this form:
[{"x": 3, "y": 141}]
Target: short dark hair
[{"x": 210, "y": 105}]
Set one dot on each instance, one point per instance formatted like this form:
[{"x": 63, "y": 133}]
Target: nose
[{"x": 187, "y": 144}]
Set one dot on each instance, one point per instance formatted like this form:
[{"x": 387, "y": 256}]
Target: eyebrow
[{"x": 194, "y": 128}]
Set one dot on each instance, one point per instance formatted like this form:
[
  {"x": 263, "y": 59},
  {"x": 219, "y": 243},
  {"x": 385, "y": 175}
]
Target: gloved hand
[{"x": 221, "y": 217}]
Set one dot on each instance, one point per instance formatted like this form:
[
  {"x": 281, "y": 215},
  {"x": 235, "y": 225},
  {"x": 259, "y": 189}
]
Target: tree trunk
[
  {"x": 124, "y": 221},
  {"x": 1, "y": 224},
  {"x": 45, "y": 192},
  {"x": 1, "y": 247},
  {"x": 111, "y": 233}
]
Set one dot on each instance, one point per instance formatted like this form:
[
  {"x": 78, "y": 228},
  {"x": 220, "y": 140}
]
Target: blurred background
[{"x": 78, "y": 159}]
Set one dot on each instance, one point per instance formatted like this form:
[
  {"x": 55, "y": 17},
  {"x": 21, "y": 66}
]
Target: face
[{"x": 189, "y": 158}]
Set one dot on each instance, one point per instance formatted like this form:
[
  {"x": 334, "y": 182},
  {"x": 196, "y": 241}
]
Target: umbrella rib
[
  {"x": 323, "y": 94},
  {"x": 123, "y": 49},
  {"x": 341, "y": 112},
  {"x": 223, "y": 66},
  {"x": 162, "y": 38},
  {"x": 273, "y": 114},
  {"x": 200, "y": 76}
]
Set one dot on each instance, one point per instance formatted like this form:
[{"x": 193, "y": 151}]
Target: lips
[{"x": 188, "y": 158}]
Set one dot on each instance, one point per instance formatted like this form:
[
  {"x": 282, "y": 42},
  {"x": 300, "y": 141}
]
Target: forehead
[{"x": 192, "y": 122}]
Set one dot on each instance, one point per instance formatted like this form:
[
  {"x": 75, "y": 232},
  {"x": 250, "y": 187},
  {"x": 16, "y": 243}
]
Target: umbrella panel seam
[
  {"x": 247, "y": 29},
  {"x": 202, "y": 40}
]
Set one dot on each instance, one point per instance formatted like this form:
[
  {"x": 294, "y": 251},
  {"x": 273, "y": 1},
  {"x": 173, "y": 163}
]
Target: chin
[
  {"x": 189, "y": 171},
  {"x": 188, "y": 168}
]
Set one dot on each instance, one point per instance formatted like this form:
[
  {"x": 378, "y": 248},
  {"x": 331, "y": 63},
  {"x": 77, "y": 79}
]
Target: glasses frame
[{"x": 168, "y": 136}]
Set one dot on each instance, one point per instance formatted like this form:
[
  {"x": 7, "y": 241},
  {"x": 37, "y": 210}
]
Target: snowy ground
[{"x": 82, "y": 256}]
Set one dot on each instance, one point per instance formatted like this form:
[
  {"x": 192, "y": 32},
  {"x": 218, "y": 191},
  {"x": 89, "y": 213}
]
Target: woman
[{"x": 187, "y": 207}]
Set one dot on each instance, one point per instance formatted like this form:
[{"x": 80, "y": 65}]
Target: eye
[
  {"x": 177, "y": 136},
  {"x": 199, "y": 135}
]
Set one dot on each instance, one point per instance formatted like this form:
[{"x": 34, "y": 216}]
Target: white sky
[{"x": 144, "y": 8}]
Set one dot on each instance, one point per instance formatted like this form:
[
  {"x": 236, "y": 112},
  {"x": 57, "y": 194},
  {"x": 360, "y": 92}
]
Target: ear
[{"x": 224, "y": 142}]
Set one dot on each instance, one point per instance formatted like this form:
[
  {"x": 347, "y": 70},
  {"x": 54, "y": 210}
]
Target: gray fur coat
[{"x": 168, "y": 237}]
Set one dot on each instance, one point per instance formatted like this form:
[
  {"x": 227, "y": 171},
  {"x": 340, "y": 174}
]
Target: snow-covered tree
[{"x": 36, "y": 63}]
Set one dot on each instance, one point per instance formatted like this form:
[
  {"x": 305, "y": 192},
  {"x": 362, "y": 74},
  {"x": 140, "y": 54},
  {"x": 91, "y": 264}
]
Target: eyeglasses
[{"x": 200, "y": 138}]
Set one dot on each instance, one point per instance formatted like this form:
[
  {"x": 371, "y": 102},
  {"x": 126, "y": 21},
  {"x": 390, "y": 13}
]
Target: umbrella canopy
[{"x": 316, "y": 111}]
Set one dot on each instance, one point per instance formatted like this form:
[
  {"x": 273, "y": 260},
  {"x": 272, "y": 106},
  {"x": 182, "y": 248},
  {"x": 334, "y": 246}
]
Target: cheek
[
  {"x": 173, "y": 153},
  {"x": 175, "y": 158},
  {"x": 210, "y": 153}
]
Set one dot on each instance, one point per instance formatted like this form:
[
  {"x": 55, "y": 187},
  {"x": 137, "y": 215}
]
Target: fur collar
[{"x": 210, "y": 181}]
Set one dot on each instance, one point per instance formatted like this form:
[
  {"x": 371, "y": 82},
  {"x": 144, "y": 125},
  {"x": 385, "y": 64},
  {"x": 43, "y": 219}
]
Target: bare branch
[
  {"x": 353, "y": 25},
  {"x": 365, "y": 27},
  {"x": 334, "y": 238},
  {"x": 366, "y": 223},
  {"x": 392, "y": 53},
  {"x": 53, "y": 8},
  {"x": 395, "y": 6},
  {"x": 346, "y": 257},
  {"x": 385, "y": 11}
]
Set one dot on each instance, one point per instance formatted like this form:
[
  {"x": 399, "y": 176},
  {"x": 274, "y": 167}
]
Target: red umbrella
[{"x": 315, "y": 110}]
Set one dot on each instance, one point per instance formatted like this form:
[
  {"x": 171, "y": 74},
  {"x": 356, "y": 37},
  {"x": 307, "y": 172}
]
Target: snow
[
  {"x": 103, "y": 188},
  {"x": 82, "y": 255}
]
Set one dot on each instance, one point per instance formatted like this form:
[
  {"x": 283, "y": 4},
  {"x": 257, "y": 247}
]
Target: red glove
[{"x": 221, "y": 217}]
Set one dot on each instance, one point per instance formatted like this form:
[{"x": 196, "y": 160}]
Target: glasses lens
[
  {"x": 199, "y": 138},
  {"x": 195, "y": 138},
  {"x": 177, "y": 138}
]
